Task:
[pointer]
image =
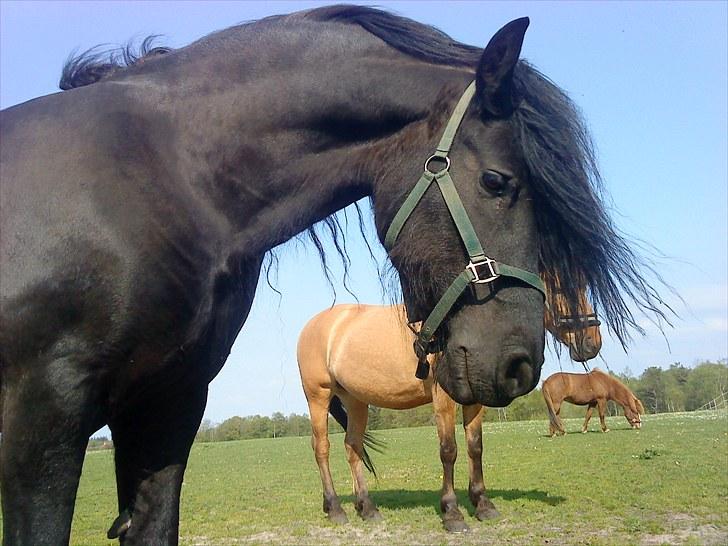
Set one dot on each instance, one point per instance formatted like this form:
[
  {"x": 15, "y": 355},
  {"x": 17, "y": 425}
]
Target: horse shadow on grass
[{"x": 399, "y": 498}]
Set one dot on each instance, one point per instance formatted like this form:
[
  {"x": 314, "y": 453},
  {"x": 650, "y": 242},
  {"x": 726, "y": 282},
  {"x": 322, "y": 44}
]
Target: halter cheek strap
[{"x": 481, "y": 269}]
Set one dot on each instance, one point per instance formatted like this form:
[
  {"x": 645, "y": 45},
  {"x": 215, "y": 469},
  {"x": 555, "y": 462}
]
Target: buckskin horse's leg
[
  {"x": 358, "y": 413},
  {"x": 589, "y": 411},
  {"x": 151, "y": 457},
  {"x": 47, "y": 419},
  {"x": 473, "y": 425},
  {"x": 602, "y": 407},
  {"x": 445, "y": 407},
  {"x": 318, "y": 407}
]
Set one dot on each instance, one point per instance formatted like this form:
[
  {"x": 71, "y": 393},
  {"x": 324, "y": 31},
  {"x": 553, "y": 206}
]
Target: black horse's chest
[{"x": 188, "y": 338}]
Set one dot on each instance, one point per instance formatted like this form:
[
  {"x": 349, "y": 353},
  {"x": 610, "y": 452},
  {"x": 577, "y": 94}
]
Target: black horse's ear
[{"x": 494, "y": 78}]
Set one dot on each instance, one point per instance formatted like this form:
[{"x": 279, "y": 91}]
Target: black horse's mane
[
  {"x": 415, "y": 39},
  {"x": 96, "y": 63},
  {"x": 579, "y": 243}
]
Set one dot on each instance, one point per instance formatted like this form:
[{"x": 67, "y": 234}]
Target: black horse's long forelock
[
  {"x": 579, "y": 243},
  {"x": 578, "y": 240}
]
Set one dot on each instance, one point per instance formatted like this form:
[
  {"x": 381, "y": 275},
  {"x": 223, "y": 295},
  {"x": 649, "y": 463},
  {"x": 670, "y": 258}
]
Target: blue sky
[{"x": 651, "y": 79}]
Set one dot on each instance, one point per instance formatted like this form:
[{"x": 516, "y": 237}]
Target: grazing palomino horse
[
  {"x": 351, "y": 356},
  {"x": 593, "y": 389},
  {"x": 139, "y": 204}
]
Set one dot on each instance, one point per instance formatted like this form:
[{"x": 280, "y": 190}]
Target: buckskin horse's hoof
[
  {"x": 490, "y": 513},
  {"x": 486, "y": 511},
  {"x": 455, "y": 525},
  {"x": 367, "y": 510},
  {"x": 338, "y": 517},
  {"x": 372, "y": 515}
]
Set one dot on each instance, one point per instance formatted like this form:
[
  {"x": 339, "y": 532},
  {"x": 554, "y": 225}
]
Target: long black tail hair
[{"x": 338, "y": 412}]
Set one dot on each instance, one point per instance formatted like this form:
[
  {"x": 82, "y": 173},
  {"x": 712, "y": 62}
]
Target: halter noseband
[
  {"x": 575, "y": 322},
  {"x": 481, "y": 269}
]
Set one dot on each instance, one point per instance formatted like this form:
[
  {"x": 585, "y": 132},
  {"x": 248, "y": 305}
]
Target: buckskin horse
[
  {"x": 593, "y": 389},
  {"x": 351, "y": 356},
  {"x": 138, "y": 206}
]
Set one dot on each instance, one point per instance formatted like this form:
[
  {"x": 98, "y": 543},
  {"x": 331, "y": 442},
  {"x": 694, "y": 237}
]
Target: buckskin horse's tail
[
  {"x": 553, "y": 418},
  {"x": 338, "y": 412}
]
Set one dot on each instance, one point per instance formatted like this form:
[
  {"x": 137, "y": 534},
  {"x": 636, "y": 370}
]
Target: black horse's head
[{"x": 492, "y": 339}]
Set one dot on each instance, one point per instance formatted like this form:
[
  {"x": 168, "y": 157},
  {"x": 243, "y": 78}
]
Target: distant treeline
[{"x": 677, "y": 388}]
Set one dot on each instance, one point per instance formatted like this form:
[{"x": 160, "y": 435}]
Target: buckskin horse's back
[{"x": 355, "y": 346}]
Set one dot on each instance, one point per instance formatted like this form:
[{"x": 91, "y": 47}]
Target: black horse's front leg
[
  {"x": 151, "y": 457},
  {"x": 47, "y": 419}
]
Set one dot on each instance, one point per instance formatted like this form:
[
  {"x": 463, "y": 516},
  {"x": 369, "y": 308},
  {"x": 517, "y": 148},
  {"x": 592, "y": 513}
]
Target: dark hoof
[
  {"x": 367, "y": 510},
  {"x": 371, "y": 515},
  {"x": 486, "y": 510},
  {"x": 455, "y": 525},
  {"x": 338, "y": 517},
  {"x": 487, "y": 513},
  {"x": 120, "y": 526}
]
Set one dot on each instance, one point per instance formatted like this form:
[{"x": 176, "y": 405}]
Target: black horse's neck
[{"x": 286, "y": 135}]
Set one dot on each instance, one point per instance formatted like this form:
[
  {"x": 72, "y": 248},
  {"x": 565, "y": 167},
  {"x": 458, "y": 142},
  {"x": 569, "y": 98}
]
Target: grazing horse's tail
[
  {"x": 553, "y": 418},
  {"x": 336, "y": 409}
]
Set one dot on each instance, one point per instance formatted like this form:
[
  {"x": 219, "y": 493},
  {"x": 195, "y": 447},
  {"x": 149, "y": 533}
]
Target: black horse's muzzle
[{"x": 471, "y": 379}]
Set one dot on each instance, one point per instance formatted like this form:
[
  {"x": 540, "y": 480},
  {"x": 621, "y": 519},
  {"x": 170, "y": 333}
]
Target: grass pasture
[{"x": 664, "y": 484}]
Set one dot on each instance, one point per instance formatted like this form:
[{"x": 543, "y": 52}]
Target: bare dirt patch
[{"x": 683, "y": 528}]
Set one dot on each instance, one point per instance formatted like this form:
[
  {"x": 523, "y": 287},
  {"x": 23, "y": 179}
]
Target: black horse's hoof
[{"x": 120, "y": 526}]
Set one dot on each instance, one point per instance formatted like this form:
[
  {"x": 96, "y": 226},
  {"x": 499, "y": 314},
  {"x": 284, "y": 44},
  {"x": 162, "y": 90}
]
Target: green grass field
[{"x": 664, "y": 484}]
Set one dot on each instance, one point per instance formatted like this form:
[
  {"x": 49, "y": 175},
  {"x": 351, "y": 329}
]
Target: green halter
[{"x": 481, "y": 269}]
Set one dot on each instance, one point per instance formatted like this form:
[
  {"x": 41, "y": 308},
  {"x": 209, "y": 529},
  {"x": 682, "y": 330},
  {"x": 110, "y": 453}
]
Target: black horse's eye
[{"x": 494, "y": 182}]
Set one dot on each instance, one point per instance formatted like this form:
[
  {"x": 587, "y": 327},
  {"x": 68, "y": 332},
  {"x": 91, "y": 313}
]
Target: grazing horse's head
[
  {"x": 632, "y": 412},
  {"x": 492, "y": 337},
  {"x": 577, "y": 330}
]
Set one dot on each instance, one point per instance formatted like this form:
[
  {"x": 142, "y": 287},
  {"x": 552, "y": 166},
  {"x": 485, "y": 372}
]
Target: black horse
[{"x": 138, "y": 205}]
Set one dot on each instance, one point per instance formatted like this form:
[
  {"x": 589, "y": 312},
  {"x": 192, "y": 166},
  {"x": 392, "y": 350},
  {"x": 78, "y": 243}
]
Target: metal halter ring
[
  {"x": 491, "y": 273},
  {"x": 433, "y": 157}
]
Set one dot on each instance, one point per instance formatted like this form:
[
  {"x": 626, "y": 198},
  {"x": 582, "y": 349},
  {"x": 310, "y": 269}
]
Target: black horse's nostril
[{"x": 517, "y": 377}]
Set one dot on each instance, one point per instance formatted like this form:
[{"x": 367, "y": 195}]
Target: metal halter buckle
[{"x": 491, "y": 273}]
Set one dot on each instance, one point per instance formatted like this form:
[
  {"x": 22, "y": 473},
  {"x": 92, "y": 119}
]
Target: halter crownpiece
[{"x": 481, "y": 269}]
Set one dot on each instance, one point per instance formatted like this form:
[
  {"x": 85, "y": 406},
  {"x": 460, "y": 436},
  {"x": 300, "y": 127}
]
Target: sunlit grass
[{"x": 667, "y": 482}]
